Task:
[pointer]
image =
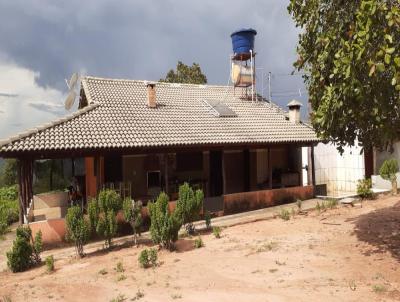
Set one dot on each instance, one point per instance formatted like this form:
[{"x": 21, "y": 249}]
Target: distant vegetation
[{"x": 186, "y": 74}]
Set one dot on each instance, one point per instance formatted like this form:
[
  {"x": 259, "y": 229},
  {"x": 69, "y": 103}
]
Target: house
[{"x": 141, "y": 138}]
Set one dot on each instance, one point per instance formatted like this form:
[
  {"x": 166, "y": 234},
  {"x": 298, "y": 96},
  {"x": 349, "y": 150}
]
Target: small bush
[
  {"x": 148, "y": 258},
  {"x": 25, "y": 252},
  {"x": 198, "y": 243},
  {"x": 331, "y": 203},
  {"x": 164, "y": 226},
  {"x": 50, "y": 263},
  {"x": 133, "y": 215},
  {"x": 189, "y": 205},
  {"x": 77, "y": 229},
  {"x": 299, "y": 204},
  {"x": 217, "y": 232},
  {"x": 207, "y": 219},
  {"x": 9, "y": 193},
  {"x": 119, "y": 268},
  {"x": 388, "y": 171},
  {"x": 284, "y": 214},
  {"x": 364, "y": 188}
]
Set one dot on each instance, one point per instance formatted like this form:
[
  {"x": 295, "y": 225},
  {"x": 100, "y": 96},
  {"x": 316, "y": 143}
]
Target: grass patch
[
  {"x": 198, "y": 243},
  {"x": 284, "y": 214},
  {"x": 379, "y": 288},
  {"x": 121, "y": 277},
  {"x": 103, "y": 271},
  {"x": 176, "y": 296},
  {"x": 266, "y": 247},
  {"x": 139, "y": 295},
  {"x": 119, "y": 268},
  {"x": 119, "y": 298}
]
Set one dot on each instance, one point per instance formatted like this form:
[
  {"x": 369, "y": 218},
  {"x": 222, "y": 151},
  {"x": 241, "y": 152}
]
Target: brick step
[{"x": 50, "y": 200}]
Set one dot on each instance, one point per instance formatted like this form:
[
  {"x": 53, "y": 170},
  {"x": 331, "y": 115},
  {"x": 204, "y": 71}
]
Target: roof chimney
[
  {"x": 294, "y": 111},
  {"x": 151, "y": 95}
]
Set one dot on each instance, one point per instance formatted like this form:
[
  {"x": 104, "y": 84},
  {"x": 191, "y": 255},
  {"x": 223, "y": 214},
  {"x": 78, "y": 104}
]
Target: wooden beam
[
  {"x": 223, "y": 173},
  {"x": 312, "y": 168},
  {"x": 269, "y": 168},
  {"x": 166, "y": 173}
]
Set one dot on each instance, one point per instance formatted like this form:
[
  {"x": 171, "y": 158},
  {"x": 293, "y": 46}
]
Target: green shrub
[
  {"x": 198, "y": 243},
  {"x": 207, "y": 219},
  {"x": 148, "y": 258},
  {"x": 164, "y": 226},
  {"x": 120, "y": 267},
  {"x": 189, "y": 205},
  {"x": 25, "y": 252},
  {"x": 102, "y": 214},
  {"x": 9, "y": 193},
  {"x": 388, "y": 171},
  {"x": 77, "y": 229},
  {"x": 50, "y": 263},
  {"x": 284, "y": 214},
  {"x": 133, "y": 215},
  {"x": 93, "y": 214},
  {"x": 9, "y": 211},
  {"x": 364, "y": 188},
  {"x": 217, "y": 232}
]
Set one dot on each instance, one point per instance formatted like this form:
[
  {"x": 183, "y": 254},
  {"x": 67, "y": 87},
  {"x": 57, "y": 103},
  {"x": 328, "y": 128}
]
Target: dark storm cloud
[{"x": 140, "y": 39}]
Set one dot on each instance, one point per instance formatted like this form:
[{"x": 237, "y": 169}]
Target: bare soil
[{"x": 344, "y": 254}]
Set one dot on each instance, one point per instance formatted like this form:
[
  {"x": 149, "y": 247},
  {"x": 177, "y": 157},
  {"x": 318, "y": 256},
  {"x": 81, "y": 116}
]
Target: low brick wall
[
  {"x": 247, "y": 201},
  {"x": 53, "y": 230}
]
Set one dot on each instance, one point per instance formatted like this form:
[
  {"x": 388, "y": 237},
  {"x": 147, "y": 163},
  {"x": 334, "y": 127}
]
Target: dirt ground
[{"x": 344, "y": 254}]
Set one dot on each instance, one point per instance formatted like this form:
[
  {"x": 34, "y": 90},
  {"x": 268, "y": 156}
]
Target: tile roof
[{"x": 118, "y": 117}]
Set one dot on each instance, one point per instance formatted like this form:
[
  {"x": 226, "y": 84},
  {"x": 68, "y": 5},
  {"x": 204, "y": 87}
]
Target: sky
[{"x": 44, "y": 41}]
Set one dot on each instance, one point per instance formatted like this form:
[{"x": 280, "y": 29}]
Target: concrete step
[
  {"x": 49, "y": 213},
  {"x": 50, "y": 200}
]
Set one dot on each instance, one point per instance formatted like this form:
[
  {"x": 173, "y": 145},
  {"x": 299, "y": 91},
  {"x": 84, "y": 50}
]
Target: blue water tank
[{"x": 243, "y": 41}]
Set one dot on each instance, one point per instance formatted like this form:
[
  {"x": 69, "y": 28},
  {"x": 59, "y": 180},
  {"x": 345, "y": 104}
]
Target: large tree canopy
[
  {"x": 350, "y": 54},
  {"x": 186, "y": 74}
]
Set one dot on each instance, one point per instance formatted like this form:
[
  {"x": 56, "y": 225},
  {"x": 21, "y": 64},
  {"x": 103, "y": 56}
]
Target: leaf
[
  {"x": 394, "y": 81},
  {"x": 387, "y": 59},
  {"x": 390, "y": 50},
  {"x": 389, "y": 38},
  {"x": 397, "y": 61},
  {"x": 380, "y": 67}
]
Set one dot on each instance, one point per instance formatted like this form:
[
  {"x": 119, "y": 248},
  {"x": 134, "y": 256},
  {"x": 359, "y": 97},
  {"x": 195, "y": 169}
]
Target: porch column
[
  {"x": 223, "y": 173},
  {"x": 25, "y": 179},
  {"x": 312, "y": 168},
  {"x": 269, "y": 168}
]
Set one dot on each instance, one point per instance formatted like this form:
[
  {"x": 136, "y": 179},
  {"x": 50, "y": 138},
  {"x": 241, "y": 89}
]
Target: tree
[
  {"x": 388, "y": 171},
  {"x": 189, "y": 205},
  {"x": 186, "y": 74},
  {"x": 9, "y": 173},
  {"x": 109, "y": 203},
  {"x": 164, "y": 226},
  {"x": 350, "y": 53},
  {"x": 133, "y": 215},
  {"x": 78, "y": 229}
]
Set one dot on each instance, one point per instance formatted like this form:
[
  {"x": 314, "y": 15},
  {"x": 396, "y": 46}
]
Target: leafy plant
[
  {"x": 25, "y": 252},
  {"x": 109, "y": 203},
  {"x": 348, "y": 51},
  {"x": 299, "y": 204},
  {"x": 148, "y": 258},
  {"x": 93, "y": 213},
  {"x": 388, "y": 171},
  {"x": 120, "y": 267},
  {"x": 49, "y": 263},
  {"x": 217, "y": 232},
  {"x": 207, "y": 219},
  {"x": 284, "y": 214},
  {"x": 198, "y": 243},
  {"x": 164, "y": 226},
  {"x": 189, "y": 205},
  {"x": 77, "y": 229},
  {"x": 9, "y": 193},
  {"x": 133, "y": 215},
  {"x": 364, "y": 188}
]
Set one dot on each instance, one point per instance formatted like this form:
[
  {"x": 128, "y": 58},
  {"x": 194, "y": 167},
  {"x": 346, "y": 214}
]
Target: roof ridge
[
  {"x": 158, "y": 82},
  {"x": 48, "y": 125}
]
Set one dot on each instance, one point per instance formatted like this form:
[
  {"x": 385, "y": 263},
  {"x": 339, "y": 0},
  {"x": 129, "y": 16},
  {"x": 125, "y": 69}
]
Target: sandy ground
[{"x": 345, "y": 254}]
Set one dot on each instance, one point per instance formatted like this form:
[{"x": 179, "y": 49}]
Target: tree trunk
[{"x": 394, "y": 187}]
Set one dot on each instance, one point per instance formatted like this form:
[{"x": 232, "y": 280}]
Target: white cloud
[{"x": 23, "y": 103}]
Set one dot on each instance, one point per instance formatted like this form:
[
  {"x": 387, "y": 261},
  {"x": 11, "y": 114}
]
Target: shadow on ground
[{"x": 380, "y": 229}]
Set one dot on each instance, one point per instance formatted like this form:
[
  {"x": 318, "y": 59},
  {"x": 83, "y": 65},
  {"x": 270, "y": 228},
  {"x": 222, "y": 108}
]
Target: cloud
[{"x": 23, "y": 103}]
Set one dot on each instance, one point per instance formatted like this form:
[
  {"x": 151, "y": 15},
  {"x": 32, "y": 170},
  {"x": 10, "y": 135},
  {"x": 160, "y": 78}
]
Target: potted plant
[{"x": 388, "y": 171}]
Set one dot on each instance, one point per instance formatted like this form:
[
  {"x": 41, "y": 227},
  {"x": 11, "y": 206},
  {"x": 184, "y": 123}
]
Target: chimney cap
[
  {"x": 294, "y": 104},
  {"x": 150, "y": 84}
]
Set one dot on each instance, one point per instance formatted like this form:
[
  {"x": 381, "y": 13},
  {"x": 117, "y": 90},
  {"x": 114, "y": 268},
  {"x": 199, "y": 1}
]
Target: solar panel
[{"x": 219, "y": 109}]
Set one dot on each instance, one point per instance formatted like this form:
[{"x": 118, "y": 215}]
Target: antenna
[{"x": 71, "y": 84}]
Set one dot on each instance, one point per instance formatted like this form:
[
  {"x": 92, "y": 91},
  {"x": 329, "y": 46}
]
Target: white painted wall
[{"x": 339, "y": 172}]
